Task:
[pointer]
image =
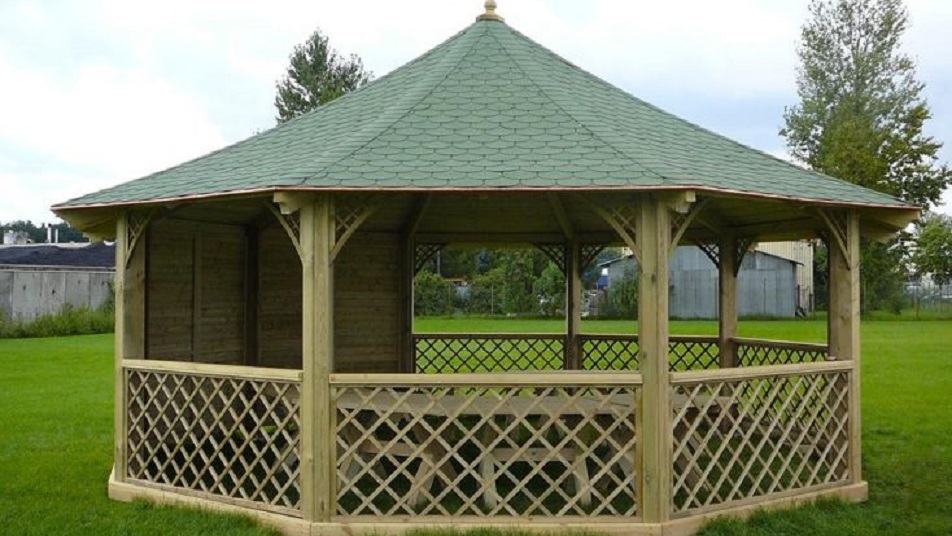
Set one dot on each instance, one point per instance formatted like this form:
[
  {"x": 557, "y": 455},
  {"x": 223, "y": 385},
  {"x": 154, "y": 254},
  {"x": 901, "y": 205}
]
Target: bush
[
  {"x": 434, "y": 296},
  {"x": 623, "y": 296},
  {"x": 69, "y": 321}
]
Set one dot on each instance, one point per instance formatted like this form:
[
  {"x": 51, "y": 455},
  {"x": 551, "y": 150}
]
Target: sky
[{"x": 95, "y": 93}]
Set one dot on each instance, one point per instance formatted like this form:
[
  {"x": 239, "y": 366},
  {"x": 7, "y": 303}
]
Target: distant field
[{"x": 56, "y": 428}]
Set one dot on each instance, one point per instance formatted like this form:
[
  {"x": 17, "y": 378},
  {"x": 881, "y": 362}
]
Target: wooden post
[
  {"x": 844, "y": 325},
  {"x": 129, "y": 288},
  {"x": 573, "y": 305},
  {"x": 252, "y": 282},
  {"x": 317, "y": 433},
  {"x": 654, "y": 237},
  {"x": 727, "y": 302},
  {"x": 407, "y": 269}
]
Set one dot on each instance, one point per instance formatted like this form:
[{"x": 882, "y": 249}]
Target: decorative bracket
[
  {"x": 350, "y": 212},
  {"x": 837, "y": 222},
  {"x": 588, "y": 253},
  {"x": 743, "y": 246},
  {"x": 556, "y": 253},
  {"x": 136, "y": 225},
  {"x": 682, "y": 220},
  {"x": 623, "y": 218},
  {"x": 423, "y": 253},
  {"x": 292, "y": 226},
  {"x": 713, "y": 252}
]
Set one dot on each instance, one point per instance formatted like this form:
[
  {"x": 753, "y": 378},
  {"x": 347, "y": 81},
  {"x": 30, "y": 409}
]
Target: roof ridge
[
  {"x": 562, "y": 108},
  {"x": 411, "y": 96}
]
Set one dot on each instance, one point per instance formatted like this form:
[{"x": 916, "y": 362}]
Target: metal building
[{"x": 766, "y": 285}]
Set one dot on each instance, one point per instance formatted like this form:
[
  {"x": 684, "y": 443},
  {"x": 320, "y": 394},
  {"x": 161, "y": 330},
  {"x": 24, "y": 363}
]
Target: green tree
[
  {"x": 519, "y": 271},
  {"x": 432, "y": 295},
  {"x": 933, "y": 254},
  {"x": 317, "y": 74},
  {"x": 549, "y": 288},
  {"x": 623, "y": 296},
  {"x": 861, "y": 116}
]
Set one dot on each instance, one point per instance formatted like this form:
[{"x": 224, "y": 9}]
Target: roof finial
[{"x": 490, "y": 13}]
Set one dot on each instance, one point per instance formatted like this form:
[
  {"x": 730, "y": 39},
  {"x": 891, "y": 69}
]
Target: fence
[{"x": 29, "y": 292}]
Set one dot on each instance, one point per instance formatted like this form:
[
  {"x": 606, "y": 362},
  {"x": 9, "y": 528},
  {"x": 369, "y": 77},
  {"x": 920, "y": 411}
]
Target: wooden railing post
[
  {"x": 573, "y": 305},
  {"x": 727, "y": 302},
  {"x": 318, "y": 497},
  {"x": 844, "y": 317},
  {"x": 654, "y": 237},
  {"x": 129, "y": 299}
]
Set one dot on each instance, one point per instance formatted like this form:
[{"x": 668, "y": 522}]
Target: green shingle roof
[{"x": 489, "y": 108}]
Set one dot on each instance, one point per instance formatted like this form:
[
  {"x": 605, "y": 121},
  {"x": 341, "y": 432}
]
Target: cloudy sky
[{"x": 93, "y": 93}]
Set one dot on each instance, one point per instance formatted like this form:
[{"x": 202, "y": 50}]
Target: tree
[
  {"x": 861, "y": 118},
  {"x": 549, "y": 288},
  {"x": 933, "y": 254},
  {"x": 317, "y": 75}
]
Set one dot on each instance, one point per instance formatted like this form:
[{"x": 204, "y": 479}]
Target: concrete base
[{"x": 399, "y": 525}]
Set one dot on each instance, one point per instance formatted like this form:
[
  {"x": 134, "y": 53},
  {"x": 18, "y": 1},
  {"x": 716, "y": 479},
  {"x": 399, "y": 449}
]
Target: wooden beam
[
  {"x": 252, "y": 290},
  {"x": 291, "y": 202},
  {"x": 727, "y": 301},
  {"x": 527, "y": 239},
  {"x": 417, "y": 213},
  {"x": 844, "y": 325},
  {"x": 318, "y": 474},
  {"x": 654, "y": 236},
  {"x": 561, "y": 215},
  {"x": 679, "y": 201},
  {"x": 897, "y": 219}
]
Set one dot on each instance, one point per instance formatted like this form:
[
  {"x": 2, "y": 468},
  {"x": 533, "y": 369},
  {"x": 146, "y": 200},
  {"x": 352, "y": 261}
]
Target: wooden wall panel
[
  {"x": 367, "y": 304},
  {"x": 169, "y": 314},
  {"x": 195, "y": 294},
  {"x": 279, "y": 300}
]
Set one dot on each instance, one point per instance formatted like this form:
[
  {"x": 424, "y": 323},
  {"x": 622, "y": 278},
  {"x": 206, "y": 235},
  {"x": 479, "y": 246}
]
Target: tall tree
[
  {"x": 933, "y": 254},
  {"x": 317, "y": 74},
  {"x": 861, "y": 116}
]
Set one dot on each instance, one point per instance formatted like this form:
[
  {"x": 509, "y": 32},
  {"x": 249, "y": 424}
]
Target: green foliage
[
  {"x": 861, "y": 117},
  {"x": 485, "y": 293},
  {"x": 519, "y": 271},
  {"x": 933, "y": 254},
  {"x": 623, "y": 296},
  {"x": 550, "y": 290},
  {"x": 69, "y": 321},
  {"x": 317, "y": 74},
  {"x": 433, "y": 294}
]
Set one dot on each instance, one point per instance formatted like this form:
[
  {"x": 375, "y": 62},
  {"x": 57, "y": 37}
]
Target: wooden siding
[
  {"x": 367, "y": 304},
  {"x": 195, "y": 292},
  {"x": 279, "y": 300}
]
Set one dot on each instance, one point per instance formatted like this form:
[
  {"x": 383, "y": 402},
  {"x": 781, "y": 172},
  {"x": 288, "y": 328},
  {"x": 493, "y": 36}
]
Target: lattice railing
[
  {"x": 216, "y": 432},
  {"x": 492, "y": 352},
  {"x": 693, "y": 353},
  {"x": 609, "y": 352},
  {"x": 751, "y": 433},
  {"x": 756, "y": 352},
  {"x": 539, "y": 444},
  {"x": 620, "y": 352}
]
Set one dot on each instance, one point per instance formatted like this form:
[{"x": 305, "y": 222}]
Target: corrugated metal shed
[{"x": 766, "y": 284}]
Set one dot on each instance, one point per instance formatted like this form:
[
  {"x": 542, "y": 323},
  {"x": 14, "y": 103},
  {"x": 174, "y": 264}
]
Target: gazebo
[{"x": 266, "y": 360}]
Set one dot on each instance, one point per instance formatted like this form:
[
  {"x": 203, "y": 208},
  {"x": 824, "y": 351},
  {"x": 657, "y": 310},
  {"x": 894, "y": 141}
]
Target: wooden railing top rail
[
  {"x": 747, "y": 373},
  {"x": 471, "y": 336},
  {"x": 207, "y": 369},
  {"x": 793, "y": 345},
  {"x": 508, "y": 379}
]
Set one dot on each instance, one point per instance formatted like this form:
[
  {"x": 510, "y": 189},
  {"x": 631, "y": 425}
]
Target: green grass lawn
[{"x": 56, "y": 427}]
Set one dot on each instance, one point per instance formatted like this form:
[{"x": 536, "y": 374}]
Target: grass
[{"x": 56, "y": 427}]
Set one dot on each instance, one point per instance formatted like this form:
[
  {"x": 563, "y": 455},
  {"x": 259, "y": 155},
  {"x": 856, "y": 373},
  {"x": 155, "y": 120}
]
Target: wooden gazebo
[{"x": 266, "y": 360}]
